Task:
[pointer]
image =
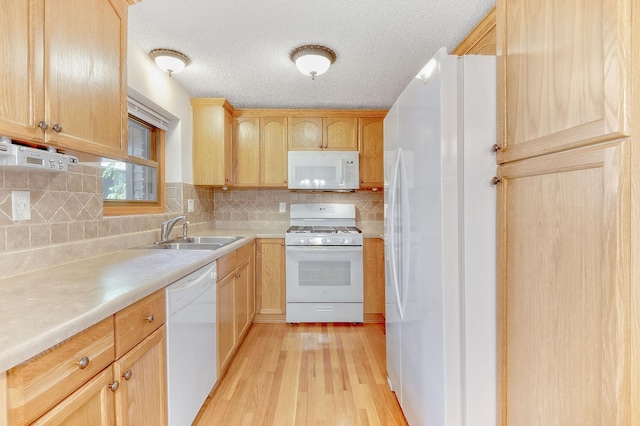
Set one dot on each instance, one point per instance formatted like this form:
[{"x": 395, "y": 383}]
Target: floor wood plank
[{"x": 306, "y": 374}]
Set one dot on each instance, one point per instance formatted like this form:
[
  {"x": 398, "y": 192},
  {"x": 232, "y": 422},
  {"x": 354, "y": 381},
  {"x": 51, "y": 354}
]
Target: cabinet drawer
[
  {"x": 139, "y": 320},
  {"x": 38, "y": 384},
  {"x": 226, "y": 264}
]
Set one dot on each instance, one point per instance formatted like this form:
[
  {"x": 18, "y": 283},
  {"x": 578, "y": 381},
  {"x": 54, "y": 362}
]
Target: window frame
[{"x": 135, "y": 207}]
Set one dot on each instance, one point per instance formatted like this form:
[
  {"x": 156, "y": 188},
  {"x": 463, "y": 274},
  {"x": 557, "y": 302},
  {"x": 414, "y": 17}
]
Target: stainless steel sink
[
  {"x": 212, "y": 240},
  {"x": 194, "y": 243}
]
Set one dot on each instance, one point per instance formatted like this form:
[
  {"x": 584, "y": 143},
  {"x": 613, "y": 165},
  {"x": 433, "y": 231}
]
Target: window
[{"x": 136, "y": 185}]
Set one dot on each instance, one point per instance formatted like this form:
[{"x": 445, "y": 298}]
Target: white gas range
[{"x": 324, "y": 264}]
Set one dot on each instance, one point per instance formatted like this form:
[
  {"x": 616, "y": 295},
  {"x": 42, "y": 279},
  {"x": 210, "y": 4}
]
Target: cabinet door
[
  {"x": 273, "y": 145},
  {"x": 225, "y": 319},
  {"x": 92, "y": 404},
  {"x": 212, "y": 127},
  {"x": 85, "y": 49},
  {"x": 22, "y": 104},
  {"x": 340, "y": 134},
  {"x": 373, "y": 276},
  {"x": 271, "y": 277},
  {"x": 142, "y": 395},
  {"x": 246, "y": 151},
  {"x": 241, "y": 300},
  {"x": 305, "y": 134},
  {"x": 371, "y": 152},
  {"x": 564, "y": 320},
  {"x": 564, "y": 74}
]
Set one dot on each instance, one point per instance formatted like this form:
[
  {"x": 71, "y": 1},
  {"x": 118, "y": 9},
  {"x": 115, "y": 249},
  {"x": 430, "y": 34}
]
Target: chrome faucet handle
[
  {"x": 167, "y": 226},
  {"x": 185, "y": 230}
]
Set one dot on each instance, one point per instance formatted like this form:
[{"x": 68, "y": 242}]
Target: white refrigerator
[{"x": 440, "y": 261}]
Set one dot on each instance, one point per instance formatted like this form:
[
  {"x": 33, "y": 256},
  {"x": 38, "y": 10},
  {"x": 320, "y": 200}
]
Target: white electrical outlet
[
  {"x": 21, "y": 205},
  {"x": 283, "y": 207}
]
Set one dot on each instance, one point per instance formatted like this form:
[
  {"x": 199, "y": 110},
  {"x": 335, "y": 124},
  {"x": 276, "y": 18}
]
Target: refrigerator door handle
[
  {"x": 405, "y": 247},
  {"x": 393, "y": 199}
]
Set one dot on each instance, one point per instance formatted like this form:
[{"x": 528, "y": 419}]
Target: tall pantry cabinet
[{"x": 568, "y": 213}]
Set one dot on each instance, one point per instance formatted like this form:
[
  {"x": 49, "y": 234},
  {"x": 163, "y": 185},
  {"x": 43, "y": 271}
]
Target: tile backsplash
[
  {"x": 67, "y": 218},
  {"x": 67, "y": 221},
  {"x": 259, "y": 208}
]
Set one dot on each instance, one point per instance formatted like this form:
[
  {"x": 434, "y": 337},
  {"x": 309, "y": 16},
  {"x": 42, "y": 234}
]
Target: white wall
[{"x": 153, "y": 87}]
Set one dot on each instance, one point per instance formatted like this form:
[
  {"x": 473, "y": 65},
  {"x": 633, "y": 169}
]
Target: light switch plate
[
  {"x": 21, "y": 205},
  {"x": 283, "y": 207},
  {"x": 191, "y": 205}
]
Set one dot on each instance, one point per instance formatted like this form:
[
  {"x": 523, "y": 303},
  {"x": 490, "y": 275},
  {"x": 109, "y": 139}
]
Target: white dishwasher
[{"x": 191, "y": 343}]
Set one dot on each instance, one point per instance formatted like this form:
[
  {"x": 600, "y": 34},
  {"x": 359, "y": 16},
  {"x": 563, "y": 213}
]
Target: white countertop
[{"x": 42, "y": 308}]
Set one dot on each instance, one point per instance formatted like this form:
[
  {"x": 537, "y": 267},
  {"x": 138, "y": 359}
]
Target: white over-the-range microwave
[{"x": 324, "y": 170}]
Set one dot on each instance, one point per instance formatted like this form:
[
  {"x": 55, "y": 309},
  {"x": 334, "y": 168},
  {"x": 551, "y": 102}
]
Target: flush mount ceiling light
[
  {"x": 169, "y": 60},
  {"x": 313, "y": 60}
]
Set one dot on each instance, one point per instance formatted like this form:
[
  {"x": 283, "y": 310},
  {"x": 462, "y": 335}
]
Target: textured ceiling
[{"x": 240, "y": 49}]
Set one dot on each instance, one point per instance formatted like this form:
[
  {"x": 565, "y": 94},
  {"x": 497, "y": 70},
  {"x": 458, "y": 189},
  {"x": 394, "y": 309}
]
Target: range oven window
[{"x": 324, "y": 274}]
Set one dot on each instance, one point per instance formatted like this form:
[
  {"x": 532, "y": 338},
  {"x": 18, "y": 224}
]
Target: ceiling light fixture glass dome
[
  {"x": 170, "y": 61},
  {"x": 313, "y": 60}
]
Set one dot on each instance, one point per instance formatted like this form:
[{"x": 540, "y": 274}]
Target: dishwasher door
[{"x": 191, "y": 343}]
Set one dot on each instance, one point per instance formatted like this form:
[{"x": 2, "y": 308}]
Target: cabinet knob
[
  {"x": 496, "y": 148},
  {"x": 57, "y": 128},
  {"x": 149, "y": 318},
  {"x": 321, "y": 146},
  {"x": 127, "y": 375},
  {"x": 282, "y": 243},
  {"x": 43, "y": 125},
  {"x": 495, "y": 180},
  {"x": 84, "y": 361},
  {"x": 238, "y": 275},
  {"x": 361, "y": 180},
  {"x": 114, "y": 386}
]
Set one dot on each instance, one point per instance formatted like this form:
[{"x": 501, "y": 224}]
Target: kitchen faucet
[{"x": 166, "y": 227}]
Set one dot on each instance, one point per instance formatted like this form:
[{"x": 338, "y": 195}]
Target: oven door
[{"x": 324, "y": 274}]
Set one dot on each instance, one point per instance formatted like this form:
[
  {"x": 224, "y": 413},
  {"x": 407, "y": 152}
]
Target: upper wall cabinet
[
  {"x": 564, "y": 73},
  {"x": 328, "y": 133},
  {"x": 371, "y": 153},
  {"x": 63, "y": 77},
  {"x": 482, "y": 39},
  {"x": 212, "y": 127},
  {"x": 260, "y": 151}
]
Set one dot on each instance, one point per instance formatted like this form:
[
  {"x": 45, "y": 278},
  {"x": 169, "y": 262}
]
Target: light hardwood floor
[{"x": 306, "y": 374}]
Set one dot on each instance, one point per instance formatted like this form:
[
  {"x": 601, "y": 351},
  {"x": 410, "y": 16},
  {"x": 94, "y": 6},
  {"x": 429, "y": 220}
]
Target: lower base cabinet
[
  {"x": 235, "y": 301},
  {"x": 86, "y": 381}
]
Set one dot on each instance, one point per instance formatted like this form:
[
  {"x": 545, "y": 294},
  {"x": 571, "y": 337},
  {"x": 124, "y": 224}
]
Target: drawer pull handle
[
  {"x": 84, "y": 361},
  {"x": 114, "y": 386},
  {"x": 127, "y": 375},
  {"x": 149, "y": 318}
]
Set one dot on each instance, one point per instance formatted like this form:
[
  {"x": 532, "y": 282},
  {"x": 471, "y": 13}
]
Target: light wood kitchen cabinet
[
  {"x": 234, "y": 305},
  {"x": 373, "y": 277},
  {"x": 271, "y": 273},
  {"x": 340, "y": 134},
  {"x": 40, "y": 383},
  {"x": 212, "y": 136},
  {"x": 482, "y": 39},
  {"x": 323, "y": 133},
  {"x": 225, "y": 307},
  {"x": 246, "y": 151},
  {"x": 113, "y": 373},
  {"x": 273, "y": 152},
  {"x": 55, "y": 92},
  {"x": 565, "y": 75},
  {"x": 305, "y": 133},
  {"x": 260, "y": 151},
  {"x": 141, "y": 397},
  {"x": 564, "y": 315},
  {"x": 92, "y": 404},
  {"x": 371, "y": 142}
]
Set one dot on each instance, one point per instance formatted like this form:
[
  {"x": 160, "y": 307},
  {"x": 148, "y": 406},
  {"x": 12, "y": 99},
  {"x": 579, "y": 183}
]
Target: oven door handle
[{"x": 323, "y": 249}]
